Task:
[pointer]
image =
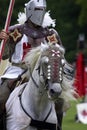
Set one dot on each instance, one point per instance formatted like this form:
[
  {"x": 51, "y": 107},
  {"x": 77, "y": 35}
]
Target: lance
[{"x": 7, "y": 24}]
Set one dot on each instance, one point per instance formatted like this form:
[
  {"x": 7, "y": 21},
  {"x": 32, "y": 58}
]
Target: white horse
[{"x": 31, "y": 106}]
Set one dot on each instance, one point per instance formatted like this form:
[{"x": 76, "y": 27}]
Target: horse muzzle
[{"x": 55, "y": 91}]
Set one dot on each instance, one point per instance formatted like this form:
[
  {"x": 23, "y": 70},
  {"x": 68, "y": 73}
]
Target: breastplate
[{"x": 35, "y": 35}]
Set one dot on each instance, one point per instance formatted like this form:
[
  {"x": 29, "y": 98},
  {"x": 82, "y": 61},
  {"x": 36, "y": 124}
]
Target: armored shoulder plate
[
  {"x": 15, "y": 33},
  {"x": 54, "y": 37}
]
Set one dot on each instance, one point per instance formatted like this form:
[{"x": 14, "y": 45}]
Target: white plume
[
  {"x": 48, "y": 21},
  {"x": 21, "y": 17}
]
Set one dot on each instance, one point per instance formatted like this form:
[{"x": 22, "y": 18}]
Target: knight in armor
[{"x": 19, "y": 39}]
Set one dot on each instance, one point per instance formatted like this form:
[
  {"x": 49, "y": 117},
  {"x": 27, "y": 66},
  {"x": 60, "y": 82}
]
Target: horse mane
[
  {"x": 32, "y": 57},
  {"x": 68, "y": 89},
  {"x": 67, "y": 84}
]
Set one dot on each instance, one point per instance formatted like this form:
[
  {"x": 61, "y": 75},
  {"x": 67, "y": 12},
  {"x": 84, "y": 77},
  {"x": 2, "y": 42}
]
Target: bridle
[
  {"x": 54, "y": 71},
  {"x": 43, "y": 75}
]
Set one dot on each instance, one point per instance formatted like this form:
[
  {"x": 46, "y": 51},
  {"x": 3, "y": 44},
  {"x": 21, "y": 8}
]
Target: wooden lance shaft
[{"x": 7, "y": 24}]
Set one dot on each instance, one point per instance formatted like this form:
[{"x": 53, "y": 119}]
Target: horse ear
[{"x": 44, "y": 46}]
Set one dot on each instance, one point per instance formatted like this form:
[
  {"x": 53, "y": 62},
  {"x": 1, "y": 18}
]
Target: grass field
[{"x": 69, "y": 120}]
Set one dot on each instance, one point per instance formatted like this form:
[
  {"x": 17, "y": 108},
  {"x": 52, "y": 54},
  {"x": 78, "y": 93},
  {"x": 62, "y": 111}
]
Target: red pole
[{"x": 7, "y": 24}]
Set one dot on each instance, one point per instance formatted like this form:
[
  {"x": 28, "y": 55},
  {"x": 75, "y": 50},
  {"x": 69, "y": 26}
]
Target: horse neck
[{"x": 34, "y": 97}]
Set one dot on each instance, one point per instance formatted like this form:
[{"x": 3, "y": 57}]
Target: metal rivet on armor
[
  {"x": 60, "y": 68},
  {"x": 48, "y": 74},
  {"x": 53, "y": 54},
  {"x": 49, "y": 70},
  {"x": 49, "y": 77},
  {"x": 63, "y": 61},
  {"x": 60, "y": 79},
  {"x": 58, "y": 55},
  {"x": 49, "y": 66},
  {"x": 60, "y": 72}
]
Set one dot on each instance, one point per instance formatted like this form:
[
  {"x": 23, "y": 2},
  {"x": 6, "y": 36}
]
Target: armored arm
[{"x": 56, "y": 36}]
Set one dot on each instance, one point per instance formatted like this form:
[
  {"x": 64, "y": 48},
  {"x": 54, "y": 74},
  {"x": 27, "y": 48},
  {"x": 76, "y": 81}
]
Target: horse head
[{"x": 51, "y": 68}]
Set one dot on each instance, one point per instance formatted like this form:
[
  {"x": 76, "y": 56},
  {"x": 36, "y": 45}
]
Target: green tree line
[{"x": 70, "y": 15}]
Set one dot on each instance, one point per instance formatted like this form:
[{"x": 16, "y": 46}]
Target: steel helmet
[{"x": 35, "y": 11}]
